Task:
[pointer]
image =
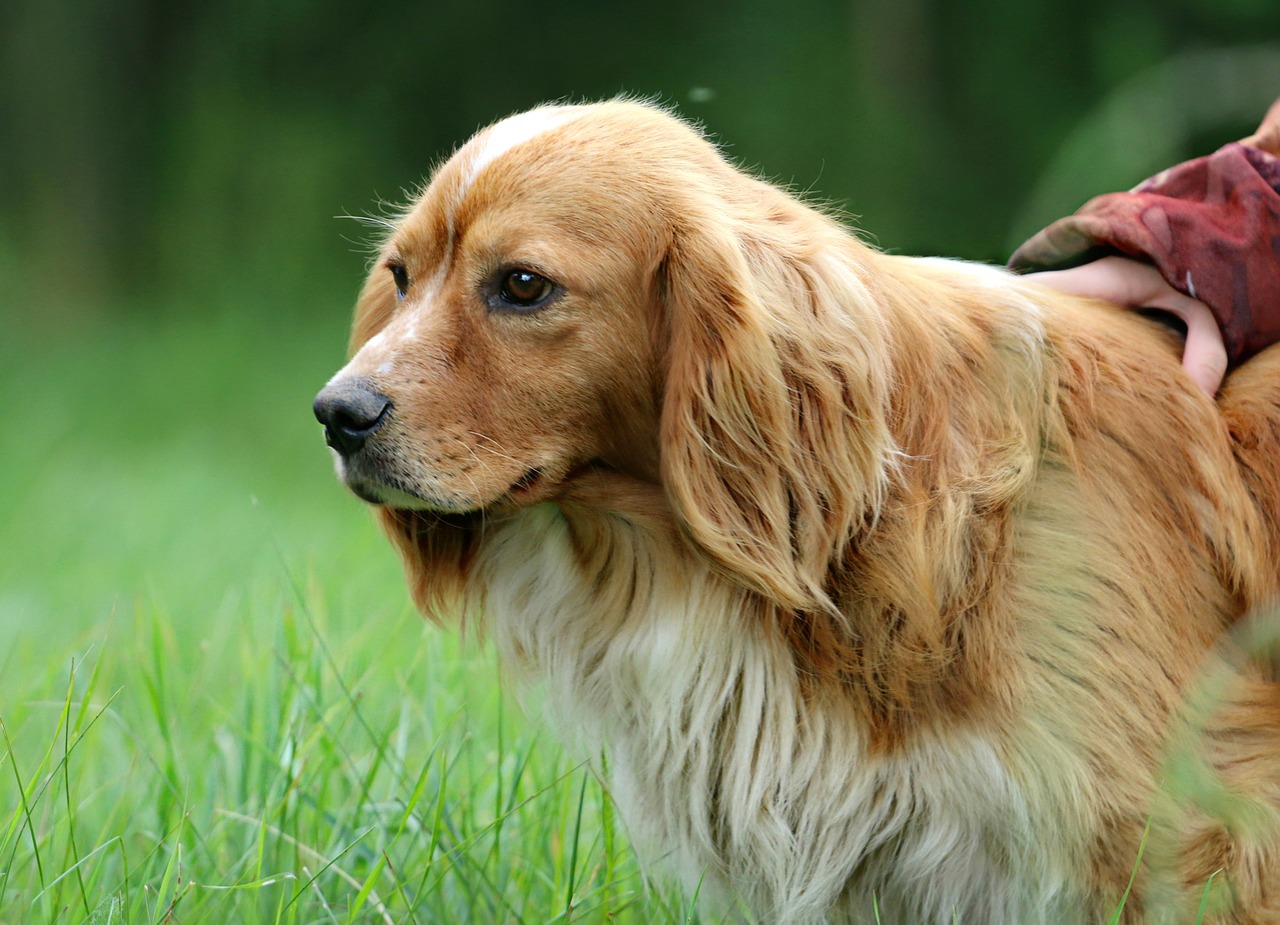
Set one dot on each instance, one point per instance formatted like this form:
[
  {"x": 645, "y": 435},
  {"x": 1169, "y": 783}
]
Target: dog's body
[{"x": 876, "y": 577}]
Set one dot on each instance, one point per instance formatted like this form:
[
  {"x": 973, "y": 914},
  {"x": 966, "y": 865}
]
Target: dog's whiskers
[{"x": 488, "y": 448}]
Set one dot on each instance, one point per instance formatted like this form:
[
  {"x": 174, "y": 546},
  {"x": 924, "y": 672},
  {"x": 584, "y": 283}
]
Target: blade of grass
[
  {"x": 1204, "y": 897},
  {"x": 1142, "y": 845},
  {"x": 25, "y": 809},
  {"x": 74, "y": 869},
  {"x": 400, "y": 883},
  {"x": 66, "y": 788},
  {"x": 328, "y": 864},
  {"x": 607, "y": 828},
  {"x": 573, "y": 852}
]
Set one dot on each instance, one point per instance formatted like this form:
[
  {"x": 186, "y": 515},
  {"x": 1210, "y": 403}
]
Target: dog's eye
[
  {"x": 525, "y": 289},
  {"x": 401, "y": 277}
]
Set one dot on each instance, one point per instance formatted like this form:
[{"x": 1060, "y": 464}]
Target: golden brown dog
[{"x": 877, "y": 577}]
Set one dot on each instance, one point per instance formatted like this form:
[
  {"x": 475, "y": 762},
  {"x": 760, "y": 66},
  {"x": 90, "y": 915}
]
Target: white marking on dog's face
[{"x": 509, "y": 133}]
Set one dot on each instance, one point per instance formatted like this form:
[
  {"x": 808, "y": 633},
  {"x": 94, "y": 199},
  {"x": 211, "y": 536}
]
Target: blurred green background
[
  {"x": 176, "y": 284},
  {"x": 154, "y": 152}
]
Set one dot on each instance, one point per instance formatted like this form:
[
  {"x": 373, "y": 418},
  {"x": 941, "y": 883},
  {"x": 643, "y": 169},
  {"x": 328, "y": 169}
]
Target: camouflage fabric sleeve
[{"x": 1211, "y": 226}]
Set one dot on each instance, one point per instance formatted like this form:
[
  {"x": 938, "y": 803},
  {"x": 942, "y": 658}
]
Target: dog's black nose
[{"x": 350, "y": 412}]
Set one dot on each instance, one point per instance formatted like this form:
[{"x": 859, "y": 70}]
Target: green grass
[{"x": 216, "y": 703}]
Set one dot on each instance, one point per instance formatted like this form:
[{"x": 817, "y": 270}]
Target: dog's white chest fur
[{"x": 725, "y": 774}]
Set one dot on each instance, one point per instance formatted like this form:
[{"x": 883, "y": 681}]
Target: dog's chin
[
  {"x": 391, "y": 496},
  {"x": 533, "y": 487}
]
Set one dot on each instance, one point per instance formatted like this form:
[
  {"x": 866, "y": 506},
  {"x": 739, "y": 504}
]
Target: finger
[
  {"x": 1139, "y": 285},
  {"x": 1119, "y": 280},
  {"x": 1095, "y": 280},
  {"x": 1205, "y": 355}
]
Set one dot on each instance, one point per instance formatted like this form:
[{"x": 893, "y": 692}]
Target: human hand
[{"x": 1140, "y": 285}]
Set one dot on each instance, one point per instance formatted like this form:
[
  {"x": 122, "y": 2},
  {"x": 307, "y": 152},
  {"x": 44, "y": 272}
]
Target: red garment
[{"x": 1211, "y": 227}]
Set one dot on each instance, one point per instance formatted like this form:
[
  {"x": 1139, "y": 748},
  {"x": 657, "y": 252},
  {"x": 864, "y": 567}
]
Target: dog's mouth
[
  {"x": 527, "y": 484},
  {"x": 536, "y": 484}
]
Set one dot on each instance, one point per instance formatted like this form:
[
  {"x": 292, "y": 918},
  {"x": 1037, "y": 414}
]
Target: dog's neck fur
[{"x": 722, "y": 757}]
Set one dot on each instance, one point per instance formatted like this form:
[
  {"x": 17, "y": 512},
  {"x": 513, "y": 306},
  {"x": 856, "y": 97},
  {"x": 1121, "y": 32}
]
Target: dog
[{"x": 887, "y": 584}]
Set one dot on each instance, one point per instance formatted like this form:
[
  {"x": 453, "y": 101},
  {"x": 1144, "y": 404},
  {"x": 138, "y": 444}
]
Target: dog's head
[{"x": 593, "y": 290}]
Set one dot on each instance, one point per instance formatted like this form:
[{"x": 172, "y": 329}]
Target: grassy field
[{"x": 217, "y": 705}]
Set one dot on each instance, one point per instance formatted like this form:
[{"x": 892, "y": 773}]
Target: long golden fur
[{"x": 877, "y": 577}]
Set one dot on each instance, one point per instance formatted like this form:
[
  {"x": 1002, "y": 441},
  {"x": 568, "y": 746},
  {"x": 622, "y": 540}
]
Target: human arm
[{"x": 1210, "y": 227}]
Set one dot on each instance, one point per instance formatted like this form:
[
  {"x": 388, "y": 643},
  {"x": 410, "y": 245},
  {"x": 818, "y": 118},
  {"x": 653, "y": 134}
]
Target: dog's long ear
[{"x": 775, "y": 436}]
